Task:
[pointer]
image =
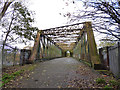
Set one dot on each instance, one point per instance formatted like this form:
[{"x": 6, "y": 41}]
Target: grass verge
[{"x": 8, "y": 76}]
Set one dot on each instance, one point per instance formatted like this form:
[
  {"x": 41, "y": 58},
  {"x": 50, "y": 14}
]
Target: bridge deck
[{"x": 59, "y": 73}]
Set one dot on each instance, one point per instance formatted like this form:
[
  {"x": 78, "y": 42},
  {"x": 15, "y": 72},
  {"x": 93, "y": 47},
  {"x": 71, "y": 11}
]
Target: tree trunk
[
  {"x": 5, "y": 7},
  {"x": 4, "y": 42}
]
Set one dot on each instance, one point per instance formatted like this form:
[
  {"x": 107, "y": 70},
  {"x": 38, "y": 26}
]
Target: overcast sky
[{"x": 48, "y": 13}]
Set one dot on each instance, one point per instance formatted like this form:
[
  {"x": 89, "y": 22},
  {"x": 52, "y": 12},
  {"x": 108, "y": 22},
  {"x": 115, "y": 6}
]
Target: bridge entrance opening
[{"x": 68, "y": 54}]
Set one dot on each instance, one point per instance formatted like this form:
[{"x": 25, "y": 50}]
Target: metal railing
[{"x": 11, "y": 56}]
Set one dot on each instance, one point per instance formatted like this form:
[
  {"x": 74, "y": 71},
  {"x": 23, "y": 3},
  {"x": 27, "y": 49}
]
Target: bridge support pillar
[
  {"x": 95, "y": 60},
  {"x": 35, "y": 48}
]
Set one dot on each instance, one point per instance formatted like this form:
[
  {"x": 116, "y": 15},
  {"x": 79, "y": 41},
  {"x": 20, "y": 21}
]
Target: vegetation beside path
[
  {"x": 90, "y": 78},
  {"x": 79, "y": 75},
  {"x": 13, "y": 74}
]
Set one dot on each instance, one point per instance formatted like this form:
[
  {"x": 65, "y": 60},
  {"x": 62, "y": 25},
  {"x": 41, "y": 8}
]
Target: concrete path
[{"x": 53, "y": 74}]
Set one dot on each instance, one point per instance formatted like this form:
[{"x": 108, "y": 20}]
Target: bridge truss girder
[{"x": 67, "y": 37}]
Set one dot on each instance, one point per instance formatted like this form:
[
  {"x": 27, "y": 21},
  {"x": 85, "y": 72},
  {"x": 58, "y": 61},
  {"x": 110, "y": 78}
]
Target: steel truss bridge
[{"x": 76, "y": 37}]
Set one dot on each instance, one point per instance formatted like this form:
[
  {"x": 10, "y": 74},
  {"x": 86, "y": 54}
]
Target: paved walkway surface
[{"x": 55, "y": 74}]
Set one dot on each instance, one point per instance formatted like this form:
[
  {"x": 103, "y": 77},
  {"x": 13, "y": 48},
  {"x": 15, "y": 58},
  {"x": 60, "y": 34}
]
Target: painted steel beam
[
  {"x": 92, "y": 44},
  {"x": 35, "y": 48}
]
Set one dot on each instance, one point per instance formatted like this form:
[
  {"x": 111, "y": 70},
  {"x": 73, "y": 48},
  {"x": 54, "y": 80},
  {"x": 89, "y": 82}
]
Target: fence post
[
  {"x": 119, "y": 59},
  {"x": 14, "y": 56},
  {"x": 92, "y": 45}
]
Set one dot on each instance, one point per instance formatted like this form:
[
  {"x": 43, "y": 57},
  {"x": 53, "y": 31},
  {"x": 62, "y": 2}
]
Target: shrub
[
  {"x": 113, "y": 82},
  {"x": 107, "y": 87},
  {"x": 100, "y": 81}
]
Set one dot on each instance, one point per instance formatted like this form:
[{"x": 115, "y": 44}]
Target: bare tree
[{"x": 104, "y": 14}]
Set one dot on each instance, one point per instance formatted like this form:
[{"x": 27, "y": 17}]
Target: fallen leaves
[
  {"x": 86, "y": 78},
  {"x": 44, "y": 70},
  {"x": 21, "y": 77},
  {"x": 104, "y": 75},
  {"x": 46, "y": 84},
  {"x": 35, "y": 80},
  {"x": 27, "y": 69},
  {"x": 59, "y": 86},
  {"x": 48, "y": 77}
]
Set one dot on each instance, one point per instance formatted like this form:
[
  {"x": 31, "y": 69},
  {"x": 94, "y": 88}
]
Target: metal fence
[
  {"x": 110, "y": 59},
  {"x": 24, "y": 56},
  {"x": 11, "y": 56},
  {"x": 114, "y": 59}
]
